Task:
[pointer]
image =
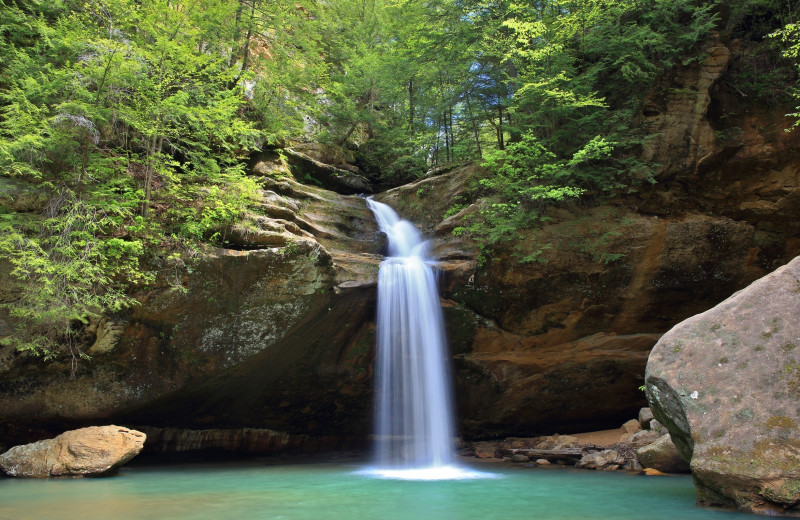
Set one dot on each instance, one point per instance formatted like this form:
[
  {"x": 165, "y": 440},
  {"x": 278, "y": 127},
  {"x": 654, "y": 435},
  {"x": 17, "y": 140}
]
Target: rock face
[
  {"x": 273, "y": 332},
  {"x": 267, "y": 343},
  {"x": 93, "y": 451},
  {"x": 726, "y": 384},
  {"x": 677, "y": 117},
  {"x": 562, "y": 345},
  {"x": 606, "y": 460},
  {"x": 645, "y": 417},
  {"x": 242, "y": 440}
]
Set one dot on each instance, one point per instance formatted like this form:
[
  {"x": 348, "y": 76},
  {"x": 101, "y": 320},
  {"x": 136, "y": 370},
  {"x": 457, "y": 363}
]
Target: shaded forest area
[{"x": 125, "y": 125}]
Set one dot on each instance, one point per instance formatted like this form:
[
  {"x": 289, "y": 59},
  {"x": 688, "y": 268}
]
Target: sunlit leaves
[{"x": 789, "y": 36}]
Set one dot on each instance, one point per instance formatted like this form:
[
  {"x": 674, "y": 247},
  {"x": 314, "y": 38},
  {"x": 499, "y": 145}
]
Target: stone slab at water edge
[
  {"x": 726, "y": 384},
  {"x": 93, "y": 451}
]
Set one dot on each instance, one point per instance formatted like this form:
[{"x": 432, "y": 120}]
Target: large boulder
[
  {"x": 726, "y": 384},
  {"x": 92, "y": 451}
]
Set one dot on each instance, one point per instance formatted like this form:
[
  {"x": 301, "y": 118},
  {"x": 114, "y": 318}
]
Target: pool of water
[{"x": 340, "y": 491}]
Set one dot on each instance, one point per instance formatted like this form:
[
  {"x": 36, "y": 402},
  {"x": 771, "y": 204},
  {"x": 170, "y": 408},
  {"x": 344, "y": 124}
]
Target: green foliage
[
  {"x": 67, "y": 269},
  {"x": 455, "y": 208},
  {"x": 526, "y": 178},
  {"x": 128, "y": 116},
  {"x": 789, "y": 36},
  {"x": 135, "y": 117}
]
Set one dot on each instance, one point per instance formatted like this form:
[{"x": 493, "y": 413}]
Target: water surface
[{"x": 336, "y": 491}]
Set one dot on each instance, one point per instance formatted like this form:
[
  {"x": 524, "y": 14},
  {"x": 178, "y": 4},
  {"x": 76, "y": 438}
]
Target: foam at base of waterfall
[{"x": 450, "y": 472}]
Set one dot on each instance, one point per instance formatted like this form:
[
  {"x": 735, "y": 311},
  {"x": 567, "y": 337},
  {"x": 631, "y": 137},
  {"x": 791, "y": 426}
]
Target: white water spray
[{"x": 414, "y": 424}]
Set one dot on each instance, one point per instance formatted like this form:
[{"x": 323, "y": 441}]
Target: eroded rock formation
[
  {"x": 562, "y": 345},
  {"x": 273, "y": 332}
]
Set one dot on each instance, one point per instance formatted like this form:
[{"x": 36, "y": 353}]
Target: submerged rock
[
  {"x": 93, "y": 451},
  {"x": 726, "y": 384}
]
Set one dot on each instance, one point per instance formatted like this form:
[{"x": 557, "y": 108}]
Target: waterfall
[{"x": 414, "y": 425}]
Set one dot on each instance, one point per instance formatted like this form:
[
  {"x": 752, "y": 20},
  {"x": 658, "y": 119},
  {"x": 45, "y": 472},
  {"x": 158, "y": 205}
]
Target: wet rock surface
[
  {"x": 611, "y": 450},
  {"x": 725, "y": 384}
]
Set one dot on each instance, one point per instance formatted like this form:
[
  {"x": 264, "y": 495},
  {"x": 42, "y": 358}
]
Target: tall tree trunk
[
  {"x": 474, "y": 127},
  {"x": 446, "y": 137},
  {"x": 436, "y": 145},
  {"x": 411, "y": 106},
  {"x": 246, "y": 46},
  {"x": 150, "y": 171},
  {"x": 237, "y": 29},
  {"x": 500, "y": 142},
  {"x": 452, "y": 133}
]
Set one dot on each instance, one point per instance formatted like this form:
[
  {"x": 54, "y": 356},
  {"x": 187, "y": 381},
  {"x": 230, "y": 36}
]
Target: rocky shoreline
[{"x": 640, "y": 445}]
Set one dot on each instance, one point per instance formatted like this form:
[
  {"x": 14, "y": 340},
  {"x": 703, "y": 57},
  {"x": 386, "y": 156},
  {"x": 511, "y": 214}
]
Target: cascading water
[{"x": 414, "y": 425}]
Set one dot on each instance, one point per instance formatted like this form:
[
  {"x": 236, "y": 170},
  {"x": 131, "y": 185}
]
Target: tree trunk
[
  {"x": 452, "y": 133},
  {"x": 150, "y": 172},
  {"x": 500, "y": 142},
  {"x": 446, "y": 138},
  {"x": 474, "y": 127},
  {"x": 411, "y": 106}
]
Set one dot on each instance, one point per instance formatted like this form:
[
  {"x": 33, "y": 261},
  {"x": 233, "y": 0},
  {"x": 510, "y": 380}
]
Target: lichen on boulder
[{"x": 726, "y": 384}]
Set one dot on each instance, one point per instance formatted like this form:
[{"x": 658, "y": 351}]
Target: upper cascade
[{"x": 405, "y": 240}]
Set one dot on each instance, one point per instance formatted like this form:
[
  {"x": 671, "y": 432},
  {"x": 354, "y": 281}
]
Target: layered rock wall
[
  {"x": 272, "y": 332},
  {"x": 562, "y": 345}
]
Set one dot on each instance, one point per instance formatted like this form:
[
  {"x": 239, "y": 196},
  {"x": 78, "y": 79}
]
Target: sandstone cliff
[
  {"x": 562, "y": 345},
  {"x": 268, "y": 344},
  {"x": 273, "y": 332}
]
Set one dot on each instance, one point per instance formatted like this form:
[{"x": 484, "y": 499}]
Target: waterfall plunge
[{"x": 414, "y": 424}]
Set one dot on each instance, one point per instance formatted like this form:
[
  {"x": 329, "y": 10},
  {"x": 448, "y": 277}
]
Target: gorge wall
[
  {"x": 268, "y": 344},
  {"x": 562, "y": 345}
]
